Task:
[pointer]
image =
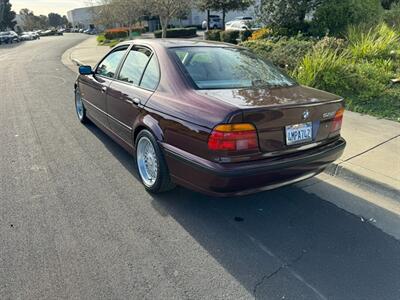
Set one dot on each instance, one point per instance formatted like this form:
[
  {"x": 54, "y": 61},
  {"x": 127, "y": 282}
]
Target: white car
[
  {"x": 241, "y": 25},
  {"x": 241, "y": 18},
  {"x": 237, "y": 25},
  {"x": 26, "y": 36},
  {"x": 215, "y": 22}
]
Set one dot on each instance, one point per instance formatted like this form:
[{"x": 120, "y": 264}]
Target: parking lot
[{"x": 77, "y": 223}]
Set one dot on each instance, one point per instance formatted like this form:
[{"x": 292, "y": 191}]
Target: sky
[{"x": 44, "y": 7}]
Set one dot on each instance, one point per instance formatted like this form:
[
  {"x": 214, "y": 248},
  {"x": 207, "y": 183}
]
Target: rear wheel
[
  {"x": 151, "y": 165},
  {"x": 80, "y": 108}
]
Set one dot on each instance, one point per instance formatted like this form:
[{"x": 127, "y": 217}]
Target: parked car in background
[
  {"x": 242, "y": 25},
  {"x": 209, "y": 116},
  {"x": 3, "y": 38},
  {"x": 29, "y": 36},
  {"x": 9, "y": 37},
  {"x": 241, "y": 18},
  {"x": 215, "y": 22},
  {"x": 90, "y": 31},
  {"x": 25, "y": 36},
  {"x": 51, "y": 32}
]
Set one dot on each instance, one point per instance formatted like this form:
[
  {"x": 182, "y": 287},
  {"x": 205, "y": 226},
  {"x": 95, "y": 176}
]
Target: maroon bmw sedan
[{"x": 212, "y": 117}]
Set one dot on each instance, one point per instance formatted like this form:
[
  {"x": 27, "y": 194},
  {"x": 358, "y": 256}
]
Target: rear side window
[
  {"x": 151, "y": 76},
  {"x": 134, "y": 65},
  {"x": 109, "y": 65}
]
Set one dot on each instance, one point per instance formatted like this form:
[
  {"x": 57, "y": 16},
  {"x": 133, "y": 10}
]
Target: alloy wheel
[{"x": 147, "y": 161}]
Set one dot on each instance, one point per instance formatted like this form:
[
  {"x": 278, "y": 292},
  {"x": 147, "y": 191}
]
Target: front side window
[
  {"x": 109, "y": 65},
  {"x": 151, "y": 75},
  {"x": 134, "y": 65},
  {"x": 228, "y": 68}
]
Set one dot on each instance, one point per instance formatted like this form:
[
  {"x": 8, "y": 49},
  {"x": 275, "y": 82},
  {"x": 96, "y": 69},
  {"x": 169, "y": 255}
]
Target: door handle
[{"x": 104, "y": 89}]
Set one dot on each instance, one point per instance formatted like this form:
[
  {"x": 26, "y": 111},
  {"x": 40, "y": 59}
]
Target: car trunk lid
[{"x": 287, "y": 118}]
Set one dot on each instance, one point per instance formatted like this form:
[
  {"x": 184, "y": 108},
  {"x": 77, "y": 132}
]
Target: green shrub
[
  {"x": 229, "y": 36},
  {"x": 177, "y": 32},
  {"x": 333, "y": 17},
  {"x": 325, "y": 69},
  {"x": 364, "y": 83},
  {"x": 331, "y": 43},
  {"x": 122, "y": 33},
  {"x": 261, "y": 34},
  {"x": 387, "y": 105},
  {"x": 377, "y": 42},
  {"x": 116, "y": 33},
  {"x": 138, "y": 29},
  {"x": 244, "y": 35},
  {"x": 285, "y": 53},
  {"x": 213, "y": 35},
  {"x": 101, "y": 38},
  {"x": 392, "y": 16}
]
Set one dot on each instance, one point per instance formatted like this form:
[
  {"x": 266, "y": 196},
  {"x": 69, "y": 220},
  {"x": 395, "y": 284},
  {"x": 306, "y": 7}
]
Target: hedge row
[
  {"x": 228, "y": 36},
  {"x": 123, "y": 32},
  {"x": 177, "y": 32}
]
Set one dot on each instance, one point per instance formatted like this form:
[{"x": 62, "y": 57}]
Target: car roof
[{"x": 175, "y": 43}]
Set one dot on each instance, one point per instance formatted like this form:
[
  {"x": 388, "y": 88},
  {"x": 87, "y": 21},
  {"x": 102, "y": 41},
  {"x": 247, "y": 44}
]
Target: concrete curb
[
  {"x": 77, "y": 62},
  {"x": 337, "y": 170}
]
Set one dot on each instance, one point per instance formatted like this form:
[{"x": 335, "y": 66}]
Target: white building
[
  {"x": 81, "y": 17},
  {"x": 84, "y": 17}
]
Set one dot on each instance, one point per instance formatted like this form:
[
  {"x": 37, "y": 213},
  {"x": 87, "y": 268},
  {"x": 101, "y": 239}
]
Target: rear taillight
[
  {"x": 337, "y": 121},
  {"x": 233, "y": 137}
]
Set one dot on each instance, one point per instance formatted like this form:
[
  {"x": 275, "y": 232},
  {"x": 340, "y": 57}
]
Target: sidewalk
[
  {"x": 87, "y": 53},
  {"x": 372, "y": 155}
]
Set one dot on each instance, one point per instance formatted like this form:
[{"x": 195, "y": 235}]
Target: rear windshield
[{"x": 228, "y": 68}]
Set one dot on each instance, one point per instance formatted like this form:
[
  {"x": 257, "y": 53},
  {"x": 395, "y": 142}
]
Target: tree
[
  {"x": 334, "y": 17},
  {"x": 55, "y": 20},
  {"x": 223, "y": 6},
  {"x": 167, "y": 10},
  {"x": 128, "y": 11},
  {"x": 387, "y": 4},
  {"x": 104, "y": 13},
  {"x": 227, "y": 5},
  {"x": 392, "y": 16},
  {"x": 7, "y": 16},
  {"x": 287, "y": 13},
  {"x": 65, "y": 21},
  {"x": 33, "y": 22},
  {"x": 43, "y": 22},
  {"x": 28, "y": 18}
]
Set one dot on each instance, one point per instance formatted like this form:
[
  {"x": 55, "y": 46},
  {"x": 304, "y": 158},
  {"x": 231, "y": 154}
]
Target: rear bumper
[{"x": 233, "y": 179}]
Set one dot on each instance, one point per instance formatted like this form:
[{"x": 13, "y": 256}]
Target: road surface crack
[{"x": 280, "y": 268}]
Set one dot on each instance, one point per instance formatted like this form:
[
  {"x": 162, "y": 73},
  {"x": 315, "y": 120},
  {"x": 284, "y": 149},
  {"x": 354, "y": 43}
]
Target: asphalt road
[{"x": 76, "y": 223}]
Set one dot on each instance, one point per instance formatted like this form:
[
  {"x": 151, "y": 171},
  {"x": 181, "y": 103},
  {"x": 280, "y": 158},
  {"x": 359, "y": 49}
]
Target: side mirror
[{"x": 85, "y": 70}]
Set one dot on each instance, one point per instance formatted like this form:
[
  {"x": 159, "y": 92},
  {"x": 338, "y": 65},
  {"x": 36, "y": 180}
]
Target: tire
[
  {"x": 151, "y": 165},
  {"x": 80, "y": 108}
]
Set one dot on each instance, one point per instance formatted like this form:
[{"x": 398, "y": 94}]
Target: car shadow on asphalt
[
  {"x": 289, "y": 243},
  {"x": 286, "y": 243}
]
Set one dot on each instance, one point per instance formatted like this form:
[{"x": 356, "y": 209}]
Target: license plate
[{"x": 299, "y": 133}]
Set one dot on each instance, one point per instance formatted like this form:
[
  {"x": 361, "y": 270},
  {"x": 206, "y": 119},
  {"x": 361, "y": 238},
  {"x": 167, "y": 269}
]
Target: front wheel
[
  {"x": 80, "y": 108},
  {"x": 151, "y": 165}
]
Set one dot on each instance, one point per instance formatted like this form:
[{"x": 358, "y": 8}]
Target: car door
[
  {"x": 135, "y": 83},
  {"x": 93, "y": 87}
]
